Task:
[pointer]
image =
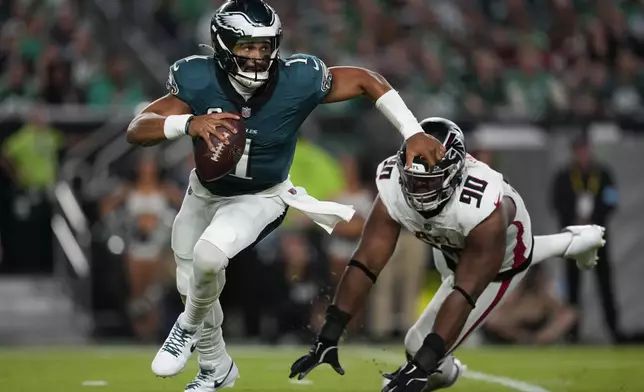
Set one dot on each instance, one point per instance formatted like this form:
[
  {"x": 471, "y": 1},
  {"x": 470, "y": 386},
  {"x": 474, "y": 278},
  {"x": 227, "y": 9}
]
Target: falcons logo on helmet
[{"x": 453, "y": 140}]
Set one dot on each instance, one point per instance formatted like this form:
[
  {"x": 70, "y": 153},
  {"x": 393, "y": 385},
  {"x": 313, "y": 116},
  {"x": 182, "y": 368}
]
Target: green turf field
[{"x": 266, "y": 369}]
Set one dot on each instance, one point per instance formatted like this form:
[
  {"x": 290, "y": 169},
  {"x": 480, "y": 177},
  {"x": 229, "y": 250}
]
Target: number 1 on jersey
[{"x": 241, "y": 170}]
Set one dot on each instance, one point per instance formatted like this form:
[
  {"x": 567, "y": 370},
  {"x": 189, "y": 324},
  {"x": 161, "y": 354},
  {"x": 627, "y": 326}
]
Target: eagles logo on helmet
[
  {"x": 428, "y": 189},
  {"x": 238, "y": 21}
]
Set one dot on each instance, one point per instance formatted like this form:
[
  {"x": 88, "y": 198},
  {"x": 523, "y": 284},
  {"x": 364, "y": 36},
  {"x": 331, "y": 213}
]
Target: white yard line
[
  {"x": 304, "y": 382},
  {"x": 511, "y": 383},
  {"x": 508, "y": 382},
  {"x": 94, "y": 383}
]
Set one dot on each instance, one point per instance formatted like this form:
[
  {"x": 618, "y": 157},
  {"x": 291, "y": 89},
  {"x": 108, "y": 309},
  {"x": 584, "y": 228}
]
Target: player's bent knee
[{"x": 208, "y": 258}]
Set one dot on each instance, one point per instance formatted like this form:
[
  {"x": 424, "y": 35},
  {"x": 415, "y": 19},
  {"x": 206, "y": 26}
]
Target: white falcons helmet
[{"x": 427, "y": 189}]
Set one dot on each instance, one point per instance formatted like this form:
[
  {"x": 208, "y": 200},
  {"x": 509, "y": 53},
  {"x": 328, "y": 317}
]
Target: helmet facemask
[
  {"x": 426, "y": 190},
  {"x": 250, "y": 72}
]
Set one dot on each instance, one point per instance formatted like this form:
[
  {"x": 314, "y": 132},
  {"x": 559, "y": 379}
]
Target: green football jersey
[{"x": 272, "y": 116}]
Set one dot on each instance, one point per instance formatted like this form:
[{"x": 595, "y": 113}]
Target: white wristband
[
  {"x": 175, "y": 125},
  {"x": 394, "y": 108}
]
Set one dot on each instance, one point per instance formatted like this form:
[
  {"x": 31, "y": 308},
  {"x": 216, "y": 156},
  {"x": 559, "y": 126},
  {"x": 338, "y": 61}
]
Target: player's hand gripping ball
[{"x": 219, "y": 145}]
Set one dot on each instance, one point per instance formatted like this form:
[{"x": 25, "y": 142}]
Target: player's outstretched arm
[
  {"x": 378, "y": 241},
  {"x": 352, "y": 82},
  {"x": 377, "y": 244},
  {"x": 479, "y": 263},
  {"x": 169, "y": 118}
]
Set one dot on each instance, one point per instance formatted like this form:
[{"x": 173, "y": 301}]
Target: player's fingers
[
  {"x": 294, "y": 371},
  {"x": 223, "y": 123},
  {"x": 410, "y": 158},
  {"x": 222, "y": 136},
  {"x": 224, "y": 115},
  {"x": 296, "y": 367},
  {"x": 338, "y": 369},
  {"x": 430, "y": 157},
  {"x": 206, "y": 137},
  {"x": 219, "y": 135},
  {"x": 441, "y": 152},
  {"x": 302, "y": 365},
  {"x": 303, "y": 374}
]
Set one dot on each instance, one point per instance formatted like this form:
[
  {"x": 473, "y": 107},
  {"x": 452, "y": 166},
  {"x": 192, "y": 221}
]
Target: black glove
[
  {"x": 323, "y": 351},
  {"x": 409, "y": 378}
]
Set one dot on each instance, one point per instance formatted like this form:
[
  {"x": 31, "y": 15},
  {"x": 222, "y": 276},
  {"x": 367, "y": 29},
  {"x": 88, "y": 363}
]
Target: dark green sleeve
[
  {"x": 173, "y": 87},
  {"x": 313, "y": 76},
  {"x": 187, "y": 77}
]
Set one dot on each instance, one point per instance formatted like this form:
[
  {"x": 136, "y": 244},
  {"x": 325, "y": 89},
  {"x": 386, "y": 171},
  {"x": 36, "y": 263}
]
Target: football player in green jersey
[{"x": 219, "y": 219}]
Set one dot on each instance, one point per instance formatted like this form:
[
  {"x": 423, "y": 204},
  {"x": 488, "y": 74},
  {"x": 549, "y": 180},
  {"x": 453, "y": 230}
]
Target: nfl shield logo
[{"x": 245, "y": 112}]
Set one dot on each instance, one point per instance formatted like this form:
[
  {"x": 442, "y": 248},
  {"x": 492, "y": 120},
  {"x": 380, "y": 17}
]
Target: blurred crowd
[
  {"x": 50, "y": 53},
  {"x": 534, "y": 59},
  {"x": 461, "y": 59},
  {"x": 560, "y": 59}
]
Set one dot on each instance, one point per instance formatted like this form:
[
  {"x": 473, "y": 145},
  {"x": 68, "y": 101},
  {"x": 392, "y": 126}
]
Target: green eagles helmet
[{"x": 240, "y": 20}]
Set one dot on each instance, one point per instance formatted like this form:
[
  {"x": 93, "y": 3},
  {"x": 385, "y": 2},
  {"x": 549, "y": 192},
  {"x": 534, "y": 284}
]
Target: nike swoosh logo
[
  {"x": 218, "y": 384},
  {"x": 193, "y": 347}
]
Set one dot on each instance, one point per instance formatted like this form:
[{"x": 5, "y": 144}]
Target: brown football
[{"x": 211, "y": 165}]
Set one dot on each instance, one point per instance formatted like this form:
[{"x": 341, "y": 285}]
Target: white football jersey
[{"x": 476, "y": 197}]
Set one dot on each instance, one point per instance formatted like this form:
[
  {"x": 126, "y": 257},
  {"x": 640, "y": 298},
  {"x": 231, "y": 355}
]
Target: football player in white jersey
[{"x": 480, "y": 231}]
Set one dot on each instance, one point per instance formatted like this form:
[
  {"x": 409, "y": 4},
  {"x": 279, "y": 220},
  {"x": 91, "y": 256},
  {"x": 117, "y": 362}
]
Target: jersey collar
[{"x": 259, "y": 98}]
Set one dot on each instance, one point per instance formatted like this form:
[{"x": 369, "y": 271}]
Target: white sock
[
  {"x": 197, "y": 307},
  {"x": 211, "y": 346},
  {"x": 549, "y": 246}
]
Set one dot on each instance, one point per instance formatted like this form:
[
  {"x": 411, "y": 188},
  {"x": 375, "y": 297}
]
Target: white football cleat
[
  {"x": 222, "y": 376},
  {"x": 175, "y": 352},
  {"x": 586, "y": 240},
  {"x": 439, "y": 380}
]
